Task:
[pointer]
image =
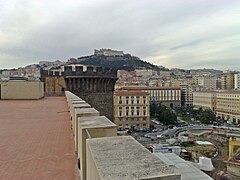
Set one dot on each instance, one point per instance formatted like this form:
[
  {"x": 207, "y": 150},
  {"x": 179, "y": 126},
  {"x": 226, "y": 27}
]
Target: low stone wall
[
  {"x": 104, "y": 155},
  {"x": 21, "y": 90}
]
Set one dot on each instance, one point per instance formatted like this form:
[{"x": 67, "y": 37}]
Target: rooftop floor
[{"x": 36, "y": 141}]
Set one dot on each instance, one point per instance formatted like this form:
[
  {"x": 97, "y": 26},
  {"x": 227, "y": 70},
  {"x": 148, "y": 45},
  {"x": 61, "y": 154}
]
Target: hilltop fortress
[{"x": 107, "y": 52}]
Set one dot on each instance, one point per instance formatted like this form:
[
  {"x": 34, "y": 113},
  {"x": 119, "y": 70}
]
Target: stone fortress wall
[{"x": 95, "y": 85}]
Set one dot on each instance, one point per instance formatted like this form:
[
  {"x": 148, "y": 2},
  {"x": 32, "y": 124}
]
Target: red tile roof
[{"x": 36, "y": 141}]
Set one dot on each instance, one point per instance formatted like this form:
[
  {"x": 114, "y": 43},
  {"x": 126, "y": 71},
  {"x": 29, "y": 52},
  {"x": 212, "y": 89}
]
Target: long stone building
[
  {"x": 169, "y": 96},
  {"x": 226, "y": 104},
  {"x": 94, "y": 85}
]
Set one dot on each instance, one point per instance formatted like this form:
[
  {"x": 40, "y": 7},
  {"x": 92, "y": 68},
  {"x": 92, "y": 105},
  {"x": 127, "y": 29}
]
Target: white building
[
  {"x": 208, "y": 82},
  {"x": 237, "y": 81}
]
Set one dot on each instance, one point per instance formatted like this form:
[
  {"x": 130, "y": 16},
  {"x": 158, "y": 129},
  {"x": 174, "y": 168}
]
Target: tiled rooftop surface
[{"x": 36, "y": 141}]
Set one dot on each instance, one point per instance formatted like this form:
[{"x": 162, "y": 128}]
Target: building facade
[
  {"x": 187, "y": 94},
  {"x": 208, "y": 82},
  {"x": 168, "y": 96},
  {"x": 131, "y": 109},
  {"x": 237, "y": 81},
  {"x": 227, "y": 81},
  {"x": 205, "y": 100},
  {"x": 228, "y": 105}
]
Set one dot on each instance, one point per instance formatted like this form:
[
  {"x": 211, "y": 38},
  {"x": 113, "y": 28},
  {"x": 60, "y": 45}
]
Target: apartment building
[
  {"x": 168, "y": 96},
  {"x": 227, "y": 80},
  {"x": 187, "y": 94},
  {"x": 228, "y": 105},
  {"x": 205, "y": 100},
  {"x": 131, "y": 109},
  {"x": 208, "y": 82},
  {"x": 237, "y": 81}
]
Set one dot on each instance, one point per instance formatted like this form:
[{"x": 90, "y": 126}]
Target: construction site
[{"x": 214, "y": 150}]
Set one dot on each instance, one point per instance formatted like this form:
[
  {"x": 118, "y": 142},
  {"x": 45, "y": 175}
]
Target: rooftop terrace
[{"x": 36, "y": 140}]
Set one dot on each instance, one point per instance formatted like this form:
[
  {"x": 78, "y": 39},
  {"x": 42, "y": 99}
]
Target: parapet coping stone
[
  {"x": 86, "y": 112},
  {"x": 81, "y": 105},
  {"x": 94, "y": 122},
  {"x": 123, "y": 158},
  {"x": 76, "y": 99},
  {"x": 78, "y": 102}
]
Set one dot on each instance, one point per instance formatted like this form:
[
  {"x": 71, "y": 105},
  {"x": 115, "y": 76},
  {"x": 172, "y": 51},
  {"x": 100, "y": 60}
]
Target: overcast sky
[{"x": 172, "y": 33}]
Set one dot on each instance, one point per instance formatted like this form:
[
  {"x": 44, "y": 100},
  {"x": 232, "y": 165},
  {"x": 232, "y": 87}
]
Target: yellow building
[
  {"x": 204, "y": 99},
  {"x": 228, "y": 105},
  {"x": 131, "y": 109}
]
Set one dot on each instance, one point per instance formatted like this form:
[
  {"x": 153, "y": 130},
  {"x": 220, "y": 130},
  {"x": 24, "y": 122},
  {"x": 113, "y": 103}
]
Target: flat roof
[
  {"x": 122, "y": 158},
  {"x": 187, "y": 170},
  {"x": 36, "y": 140},
  {"x": 126, "y": 92},
  {"x": 150, "y": 88}
]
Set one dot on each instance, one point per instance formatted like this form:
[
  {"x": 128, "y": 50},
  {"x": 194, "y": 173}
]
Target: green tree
[
  {"x": 207, "y": 116},
  {"x": 163, "y": 114}
]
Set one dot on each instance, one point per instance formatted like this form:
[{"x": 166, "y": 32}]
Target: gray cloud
[{"x": 176, "y": 33}]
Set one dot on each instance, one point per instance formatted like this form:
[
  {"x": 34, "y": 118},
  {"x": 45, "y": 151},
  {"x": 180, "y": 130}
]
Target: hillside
[{"x": 126, "y": 62}]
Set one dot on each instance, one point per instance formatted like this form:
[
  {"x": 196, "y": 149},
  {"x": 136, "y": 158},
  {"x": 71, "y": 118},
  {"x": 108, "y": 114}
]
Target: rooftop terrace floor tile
[{"x": 36, "y": 140}]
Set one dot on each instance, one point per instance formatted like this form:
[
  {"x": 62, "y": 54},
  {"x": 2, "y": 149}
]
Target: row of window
[
  {"x": 132, "y": 125},
  {"x": 131, "y": 100},
  {"x": 132, "y": 113},
  {"x": 132, "y": 119}
]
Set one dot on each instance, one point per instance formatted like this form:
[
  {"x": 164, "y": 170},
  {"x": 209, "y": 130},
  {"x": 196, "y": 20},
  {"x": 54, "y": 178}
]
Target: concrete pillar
[
  {"x": 82, "y": 112},
  {"x": 95, "y": 127}
]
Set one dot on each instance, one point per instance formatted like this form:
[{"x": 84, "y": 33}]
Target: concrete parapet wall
[
  {"x": 123, "y": 158},
  {"x": 21, "y": 90},
  {"x": 103, "y": 155}
]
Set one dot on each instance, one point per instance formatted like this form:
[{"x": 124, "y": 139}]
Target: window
[
  {"x": 138, "y": 111},
  {"x": 120, "y": 111},
  {"x": 127, "y": 111},
  {"x": 120, "y": 100},
  {"x": 144, "y": 99},
  {"x": 144, "y": 111},
  {"x": 137, "y": 99},
  {"x": 127, "y": 99},
  {"x": 132, "y": 99},
  {"x": 132, "y": 111}
]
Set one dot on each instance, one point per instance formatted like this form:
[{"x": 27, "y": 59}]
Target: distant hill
[{"x": 125, "y": 62}]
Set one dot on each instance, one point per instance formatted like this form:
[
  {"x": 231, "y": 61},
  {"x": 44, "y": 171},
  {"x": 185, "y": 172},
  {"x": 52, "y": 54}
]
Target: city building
[
  {"x": 228, "y": 105},
  {"x": 187, "y": 93},
  {"x": 169, "y": 96},
  {"x": 237, "y": 81},
  {"x": 205, "y": 100},
  {"x": 131, "y": 109},
  {"x": 227, "y": 80},
  {"x": 208, "y": 82}
]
